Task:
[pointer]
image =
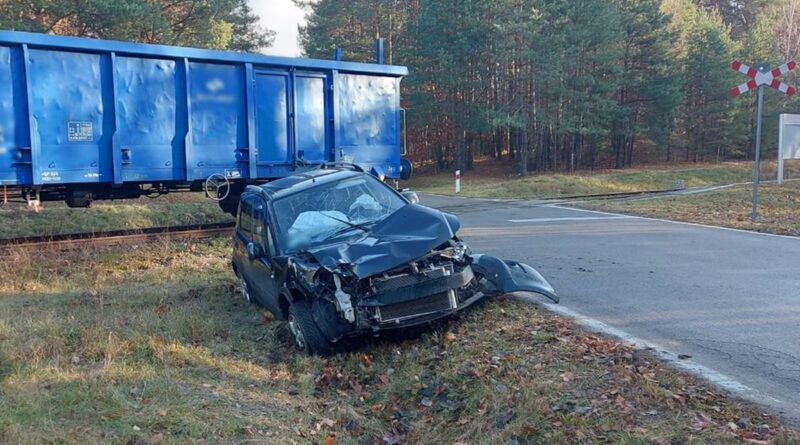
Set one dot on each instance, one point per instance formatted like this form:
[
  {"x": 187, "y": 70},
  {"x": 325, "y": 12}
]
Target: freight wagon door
[
  {"x": 150, "y": 129},
  {"x": 311, "y": 143},
  {"x": 276, "y": 99},
  {"x": 368, "y": 127},
  {"x": 273, "y": 137},
  {"x": 70, "y": 102}
]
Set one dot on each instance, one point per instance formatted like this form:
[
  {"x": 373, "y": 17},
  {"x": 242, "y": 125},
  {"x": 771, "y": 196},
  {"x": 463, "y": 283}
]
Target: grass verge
[
  {"x": 150, "y": 344},
  {"x": 534, "y": 186},
  {"x": 55, "y": 218},
  {"x": 778, "y": 211}
]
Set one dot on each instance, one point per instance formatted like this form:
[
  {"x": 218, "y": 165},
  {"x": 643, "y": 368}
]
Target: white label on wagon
[{"x": 80, "y": 131}]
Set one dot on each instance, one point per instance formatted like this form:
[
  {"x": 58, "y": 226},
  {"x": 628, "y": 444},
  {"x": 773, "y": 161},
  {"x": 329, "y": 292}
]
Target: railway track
[
  {"x": 613, "y": 195},
  {"x": 191, "y": 231}
]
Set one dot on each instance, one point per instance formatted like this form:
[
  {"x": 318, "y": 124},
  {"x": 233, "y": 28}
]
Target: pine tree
[
  {"x": 708, "y": 111},
  {"x": 221, "y": 24}
]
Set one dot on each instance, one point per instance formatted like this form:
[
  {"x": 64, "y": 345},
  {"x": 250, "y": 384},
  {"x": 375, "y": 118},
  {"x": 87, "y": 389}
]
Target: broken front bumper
[
  {"x": 407, "y": 297},
  {"x": 510, "y": 276}
]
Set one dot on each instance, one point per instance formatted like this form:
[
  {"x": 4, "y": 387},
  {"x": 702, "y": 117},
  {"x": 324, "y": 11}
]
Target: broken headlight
[{"x": 456, "y": 251}]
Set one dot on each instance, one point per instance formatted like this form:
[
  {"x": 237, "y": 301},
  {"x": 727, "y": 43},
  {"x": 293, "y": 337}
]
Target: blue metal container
[{"x": 84, "y": 117}]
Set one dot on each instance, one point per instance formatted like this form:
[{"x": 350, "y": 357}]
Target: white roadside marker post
[{"x": 458, "y": 181}]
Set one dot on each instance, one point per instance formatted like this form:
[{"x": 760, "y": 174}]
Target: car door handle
[{"x": 269, "y": 268}]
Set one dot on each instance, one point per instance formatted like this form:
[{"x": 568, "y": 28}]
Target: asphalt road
[{"x": 729, "y": 299}]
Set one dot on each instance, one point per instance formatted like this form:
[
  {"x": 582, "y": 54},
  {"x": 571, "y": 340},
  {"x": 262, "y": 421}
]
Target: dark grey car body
[{"x": 405, "y": 269}]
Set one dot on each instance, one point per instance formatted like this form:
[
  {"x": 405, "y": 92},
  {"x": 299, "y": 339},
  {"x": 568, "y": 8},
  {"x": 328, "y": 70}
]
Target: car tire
[{"x": 305, "y": 332}]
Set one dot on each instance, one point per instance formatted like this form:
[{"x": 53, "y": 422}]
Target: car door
[
  {"x": 260, "y": 268},
  {"x": 242, "y": 236}
]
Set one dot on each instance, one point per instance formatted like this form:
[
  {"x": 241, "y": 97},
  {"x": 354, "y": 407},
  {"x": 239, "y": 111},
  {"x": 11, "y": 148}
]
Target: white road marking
[
  {"x": 569, "y": 218},
  {"x": 716, "y": 378},
  {"x": 707, "y": 226}
]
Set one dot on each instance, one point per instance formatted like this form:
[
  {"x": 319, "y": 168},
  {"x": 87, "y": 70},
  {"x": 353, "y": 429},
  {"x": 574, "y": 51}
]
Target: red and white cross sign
[{"x": 758, "y": 78}]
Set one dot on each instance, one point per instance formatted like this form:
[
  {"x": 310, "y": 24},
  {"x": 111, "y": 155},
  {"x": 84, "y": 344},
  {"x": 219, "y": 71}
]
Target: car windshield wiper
[{"x": 361, "y": 226}]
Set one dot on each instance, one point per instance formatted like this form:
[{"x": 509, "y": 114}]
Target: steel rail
[
  {"x": 613, "y": 194},
  {"x": 118, "y": 236}
]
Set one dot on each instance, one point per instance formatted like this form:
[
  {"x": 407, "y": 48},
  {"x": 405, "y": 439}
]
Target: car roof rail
[{"x": 349, "y": 165}]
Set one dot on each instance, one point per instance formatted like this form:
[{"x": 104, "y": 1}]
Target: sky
[{"x": 281, "y": 16}]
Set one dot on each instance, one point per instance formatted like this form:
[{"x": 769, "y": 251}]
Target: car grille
[
  {"x": 394, "y": 313},
  {"x": 406, "y": 279}
]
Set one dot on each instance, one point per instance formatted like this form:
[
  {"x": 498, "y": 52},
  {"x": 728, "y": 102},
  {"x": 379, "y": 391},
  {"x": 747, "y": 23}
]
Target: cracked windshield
[{"x": 333, "y": 210}]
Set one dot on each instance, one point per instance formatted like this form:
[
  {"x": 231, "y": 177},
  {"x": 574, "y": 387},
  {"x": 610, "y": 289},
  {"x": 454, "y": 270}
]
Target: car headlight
[{"x": 456, "y": 251}]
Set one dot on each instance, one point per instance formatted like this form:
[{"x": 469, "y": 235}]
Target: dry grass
[
  {"x": 779, "y": 208},
  {"x": 507, "y": 186},
  {"x": 150, "y": 343},
  {"x": 56, "y": 218}
]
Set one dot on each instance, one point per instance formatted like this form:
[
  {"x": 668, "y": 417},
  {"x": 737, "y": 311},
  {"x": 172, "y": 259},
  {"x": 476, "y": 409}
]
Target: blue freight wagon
[{"x": 84, "y": 119}]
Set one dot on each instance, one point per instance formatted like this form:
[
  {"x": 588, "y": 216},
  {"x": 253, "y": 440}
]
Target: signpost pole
[
  {"x": 758, "y": 78},
  {"x": 780, "y": 148},
  {"x": 757, "y": 166}
]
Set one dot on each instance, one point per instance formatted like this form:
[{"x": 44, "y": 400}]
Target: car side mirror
[
  {"x": 411, "y": 196},
  {"x": 254, "y": 251}
]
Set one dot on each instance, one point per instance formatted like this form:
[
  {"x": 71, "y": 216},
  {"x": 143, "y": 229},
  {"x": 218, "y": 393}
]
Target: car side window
[
  {"x": 259, "y": 231},
  {"x": 246, "y": 218},
  {"x": 269, "y": 240}
]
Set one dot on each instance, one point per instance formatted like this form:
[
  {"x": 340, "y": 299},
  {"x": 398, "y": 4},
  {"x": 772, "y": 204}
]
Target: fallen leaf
[
  {"x": 392, "y": 439},
  {"x": 367, "y": 360},
  {"x": 450, "y": 337},
  {"x": 160, "y": 309},
  {"x": 157, "y": 438},
  {"x": 330, "y": 440}
]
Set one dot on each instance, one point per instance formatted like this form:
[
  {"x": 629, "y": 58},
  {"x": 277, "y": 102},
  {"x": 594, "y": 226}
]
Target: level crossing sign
[{"x": 761, "y": 76}]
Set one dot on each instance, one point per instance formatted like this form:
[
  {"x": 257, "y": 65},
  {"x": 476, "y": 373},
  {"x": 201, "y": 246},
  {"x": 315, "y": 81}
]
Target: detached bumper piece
[{"x": 510, "y": 276}]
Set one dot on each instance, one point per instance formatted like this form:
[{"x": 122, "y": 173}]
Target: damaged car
[{"x": 338, "y": 253}]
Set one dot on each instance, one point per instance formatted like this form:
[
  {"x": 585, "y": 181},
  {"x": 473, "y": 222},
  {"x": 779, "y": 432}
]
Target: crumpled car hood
[{"x": 404, "y": 236}]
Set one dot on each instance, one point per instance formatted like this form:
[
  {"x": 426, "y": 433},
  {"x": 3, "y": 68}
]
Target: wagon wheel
[{"x": 217, "y": 187}]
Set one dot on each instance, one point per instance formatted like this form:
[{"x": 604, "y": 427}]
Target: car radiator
[{"x": 407, "y": 295}]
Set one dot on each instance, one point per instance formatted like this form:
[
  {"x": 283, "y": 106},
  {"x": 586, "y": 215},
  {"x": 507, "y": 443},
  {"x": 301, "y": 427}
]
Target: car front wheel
[{"x": 305, "y": 332}]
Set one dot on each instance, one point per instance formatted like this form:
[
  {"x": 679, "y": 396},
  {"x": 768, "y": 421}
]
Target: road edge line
[
  {"x": 707, "y": 226},
  {"x": 715, "y": 378}
]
